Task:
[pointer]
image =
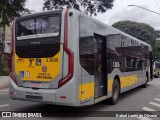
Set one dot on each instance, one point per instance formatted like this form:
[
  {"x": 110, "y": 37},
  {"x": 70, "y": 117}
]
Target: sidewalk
[{"x": 4, "y": 81}]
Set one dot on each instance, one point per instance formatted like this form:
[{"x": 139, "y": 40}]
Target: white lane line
[
  {"x": 148, "y": 109},
  {"x": 155, "y": 104},
  {"x": 5, "y": 90},
  {"x": 157, "y": 99},
  {"x": 3, "y": 93},
  {"x": 5, "y": 105}
]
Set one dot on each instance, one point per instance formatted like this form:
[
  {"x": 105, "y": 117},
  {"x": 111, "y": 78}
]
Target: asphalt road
[{"x": 137, "y": 100}]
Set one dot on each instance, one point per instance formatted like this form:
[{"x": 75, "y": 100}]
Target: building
[
  {"x": 7, "y": 40},
  {"x": 1, "y": 38}
]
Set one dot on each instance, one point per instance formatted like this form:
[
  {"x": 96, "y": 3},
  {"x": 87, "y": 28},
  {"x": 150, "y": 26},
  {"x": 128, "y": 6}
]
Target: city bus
[
  {"x": 65, "y": 57},
  {"x": 156, "y": 69}
]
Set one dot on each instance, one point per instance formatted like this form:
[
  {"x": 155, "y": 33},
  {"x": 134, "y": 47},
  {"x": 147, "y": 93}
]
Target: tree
[
  {"x": 10, "y": 9},
  {"x": 91, "y": 7}
]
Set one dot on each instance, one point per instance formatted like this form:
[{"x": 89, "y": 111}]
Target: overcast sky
[{"x": 120, "y": 11}]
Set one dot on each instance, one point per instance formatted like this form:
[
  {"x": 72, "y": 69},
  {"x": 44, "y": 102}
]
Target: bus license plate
[{"x": 36, "y": 84}]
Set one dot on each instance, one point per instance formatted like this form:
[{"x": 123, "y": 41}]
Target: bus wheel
[
  {"x": 145, "y": 84},
  {"x": 115, "y": 92}
]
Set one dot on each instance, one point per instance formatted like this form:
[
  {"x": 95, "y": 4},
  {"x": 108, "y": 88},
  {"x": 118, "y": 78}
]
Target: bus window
[
  {"x": 140, "y": 65},
  {"x": 41, "y": 27},
  {"x": 38, "y": 37},
  {"x": 86, "y": 48}
]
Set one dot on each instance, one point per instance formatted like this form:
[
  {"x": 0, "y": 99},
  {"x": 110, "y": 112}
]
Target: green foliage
[
  {"x": 10, "y": 9},
  {"x": 4, "y": 69},
  {"x": 91, "y": 7},
  {"x": 157, "y": 54},
  {"x": 141, "y": 31}
]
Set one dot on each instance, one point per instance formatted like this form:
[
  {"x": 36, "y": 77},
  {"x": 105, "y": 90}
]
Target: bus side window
[
  {"x": 87, "y": 54},
  {"x": 140, "y": 65}
]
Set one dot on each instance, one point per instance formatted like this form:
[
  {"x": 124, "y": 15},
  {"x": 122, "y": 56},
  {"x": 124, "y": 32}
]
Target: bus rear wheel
[
  {"x": 115, "y": 92},
  {"x": 146, "y": 81},
  {"x": 145, "y": 84}
]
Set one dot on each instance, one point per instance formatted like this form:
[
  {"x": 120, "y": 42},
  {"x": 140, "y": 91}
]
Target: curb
[{"x": 4, "y": 81}]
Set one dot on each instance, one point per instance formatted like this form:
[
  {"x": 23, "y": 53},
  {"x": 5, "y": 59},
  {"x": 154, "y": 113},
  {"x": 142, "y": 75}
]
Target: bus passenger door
[
  {"x": 87, "y": 70},
  {"x": 100, "y": 65}
]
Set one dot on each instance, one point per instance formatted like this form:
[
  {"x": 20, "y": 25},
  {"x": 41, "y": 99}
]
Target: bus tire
[
  {"x": 146, "y": 81},
  {"x": 145, "y": 84},
  {"x": 115, "y": 92}
]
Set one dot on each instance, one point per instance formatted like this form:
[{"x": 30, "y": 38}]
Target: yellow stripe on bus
[
  {"x": 125, "y": 82},
  {"x": 86, "y": 91}
]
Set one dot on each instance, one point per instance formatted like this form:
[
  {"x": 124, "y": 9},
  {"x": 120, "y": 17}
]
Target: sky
[{"x": 120, "y": 11}]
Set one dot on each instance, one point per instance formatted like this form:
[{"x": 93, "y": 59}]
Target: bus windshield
[{"x": 38, "y": 27}]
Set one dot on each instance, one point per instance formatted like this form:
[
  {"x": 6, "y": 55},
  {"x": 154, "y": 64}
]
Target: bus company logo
[
  {"x": 20, "y": 61},
  {"x": 44, "y": 68}
]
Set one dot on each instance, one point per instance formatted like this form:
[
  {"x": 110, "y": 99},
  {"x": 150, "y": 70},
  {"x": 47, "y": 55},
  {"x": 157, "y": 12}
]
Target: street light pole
[{"x": 144, "y": 9}]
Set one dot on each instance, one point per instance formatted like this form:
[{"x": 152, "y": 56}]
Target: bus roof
[
  {"x": 120, "y": 32},
  {"x": 39, "y": 13},
  {"x": 93, "y": 19}
]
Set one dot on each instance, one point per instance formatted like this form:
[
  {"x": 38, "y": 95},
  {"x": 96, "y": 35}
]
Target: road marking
[
  {"x": 4, "y": 91},
  {"x": 148, "y": 109},
  {"x": 5, "y": 105},
  {"x": 155, "y": 104},
  {"x": 157, "y": 99},
  {"x": 151, "y": 110}
]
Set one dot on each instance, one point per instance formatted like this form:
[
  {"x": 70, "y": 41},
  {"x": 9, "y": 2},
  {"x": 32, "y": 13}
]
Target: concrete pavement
[{"x": 4, "y": 81}]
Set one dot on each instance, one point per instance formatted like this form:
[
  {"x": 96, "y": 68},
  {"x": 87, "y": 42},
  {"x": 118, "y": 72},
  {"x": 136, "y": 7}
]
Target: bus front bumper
[{"x": 65, "y": 95}]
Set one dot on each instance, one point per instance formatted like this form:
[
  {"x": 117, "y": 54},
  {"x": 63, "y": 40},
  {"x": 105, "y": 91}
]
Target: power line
[{"x": 156, "y": 4}]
